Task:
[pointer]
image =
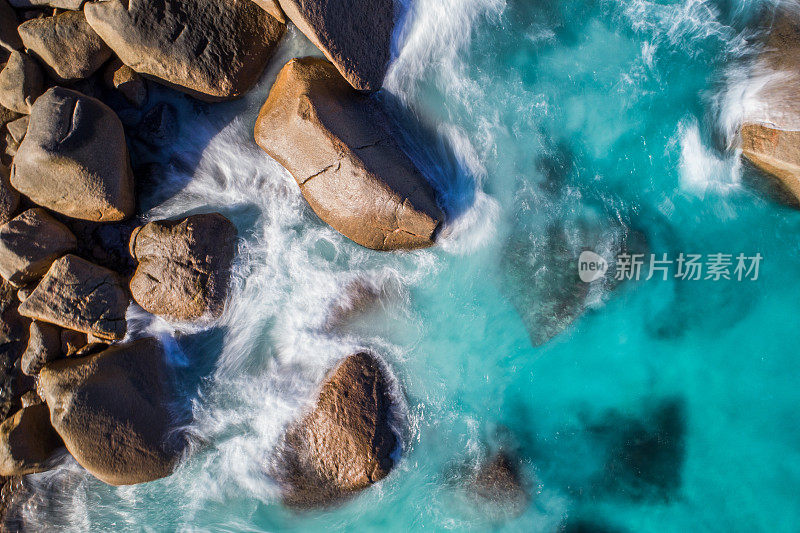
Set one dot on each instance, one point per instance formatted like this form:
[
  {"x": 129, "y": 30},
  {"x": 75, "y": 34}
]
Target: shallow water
[{"x": 547, "y": 128}]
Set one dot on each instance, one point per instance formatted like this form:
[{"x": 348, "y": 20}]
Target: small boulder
[
  {"x": 124, "y": 79},
  {"x": 337, "y": 144},
  {"x": 18, "y": 128},
  {"x": 9, "y": 197},
  {"x": 79, "y": 295},
  {"x": 499, "y": 483},
  {"x": 30, "y": 243},
  {"x": 21, "y": 83},
  {"x": 184, "y": 266},
  {"x": 66, "y": 44},
  {"x": 212, "y": 50},
  {"x": 9, "y": 37},
  {"x": 27, "y": 442},
  {"x": 74, "y": 159},
  {"x": 44, "y": 346},
  {"x": 345, "y": 443},
  {"x": 273, "y": 8},
  {"x": 355, "y": 35},
  {"x": 110, "y": 408},
  {"x": 72, "y": 342}
]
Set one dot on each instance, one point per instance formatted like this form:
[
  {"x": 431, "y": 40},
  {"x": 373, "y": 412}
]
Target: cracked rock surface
[
  {"x": 210, "y": 49},
  {"x": 79, "y": 295},
  {"x": 338, "y": 145},
  {"x": 184, "y": 266}
]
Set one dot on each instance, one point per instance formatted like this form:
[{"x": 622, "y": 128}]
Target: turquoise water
[{"x": 547, "y": 127}]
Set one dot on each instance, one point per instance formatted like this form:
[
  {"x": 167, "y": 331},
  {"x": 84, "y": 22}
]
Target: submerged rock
[
  {"x": 110, "y": 408},
  {"x": 30, "y": 243},
  {"x": 345, "y": 443},
  {"x": 66, "y": 45},
  {"x": 74, "y": 159},
  {"x": 212, "y": 50},
  {"x": 499, "y": 483},
  {"x": 21, "y": 83},
  {"x": 184, "y": 265},
  {"x": 338, "y": 146},
  {"x": 27, "y": 442},
  {"x": 79, "y": 295},
  {"x": 354, "y": 35}
]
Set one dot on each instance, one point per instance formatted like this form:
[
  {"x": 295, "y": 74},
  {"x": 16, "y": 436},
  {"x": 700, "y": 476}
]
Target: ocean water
[{"x": 547, "y": 128}]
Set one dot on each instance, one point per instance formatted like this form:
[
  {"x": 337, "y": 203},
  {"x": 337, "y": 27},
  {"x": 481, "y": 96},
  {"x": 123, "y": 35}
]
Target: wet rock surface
[
  {"x": 338, "y": 146},
  {"x": 345, "y": 443}
]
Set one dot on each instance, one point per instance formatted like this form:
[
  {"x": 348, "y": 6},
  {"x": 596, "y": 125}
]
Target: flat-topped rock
[
  {"x": 345, "y": 443},
  {"x": 21, "y": 83},
  {"x": 355, "y": 35},
  {"x": 74, "y": 159},
  {"x": 338, "y": 145},
  {"x": 65, "y": 44},
  {"x": 30, "y": 243},
  {"x": 27, "y": 442},
  {"x": 184, "y": 266},
  {"x": 110, "y": 408},
  {"x": 79, "y": 295},
  {"x": 212, "y": 50}
]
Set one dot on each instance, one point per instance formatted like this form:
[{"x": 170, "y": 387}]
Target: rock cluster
[{"x": 76, "y": 82}]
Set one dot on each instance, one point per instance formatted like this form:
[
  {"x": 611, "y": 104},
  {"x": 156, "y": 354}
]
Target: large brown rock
[
  {"x": 110, "y": 408},
  {"x": 345, "y": 443},
  {"x": 27, "y": 442},
  {"x": 212, "y": 50},
  {"x": 355, "y": 35},
  {"x": 30, "y": 243},
  {"x": 184, "y": 265},
  {"x": 9, "y": 37},
  {"x": 9, "y": 197},
  {"x": 21, "y": 83},
  {"x": 65, "y": 44},
  {"x": 79, "y": 295},
  {"x": 74, "y": 159},
  {"x": 770, "y": 136},
  {"x": 337, "y": 144}
]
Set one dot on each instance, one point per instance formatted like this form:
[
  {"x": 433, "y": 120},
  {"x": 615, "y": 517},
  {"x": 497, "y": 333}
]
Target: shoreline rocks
[
  {"x": 21, "y": 83},
  {"x": 184, "y": 266},
  {"x": 211, "y": 50},
  {"x": 81, "y": 296},
  {"x": 27, "y": 442},
  {"x": 66, "y": 45},
  {"x": 337, "y": 144},
  {"x": 30, "y": 243},
  {"x": 74, "y": 159},
  {"x": 354, "y": 35},
  {"x": 345, "y": 443},
  {"x": 110, "y": 409}
]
